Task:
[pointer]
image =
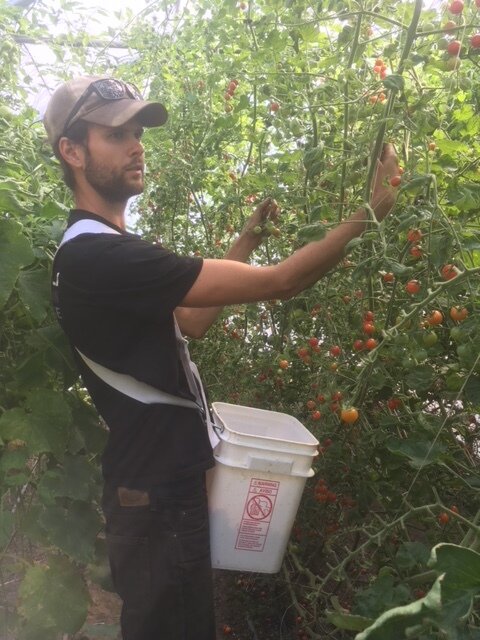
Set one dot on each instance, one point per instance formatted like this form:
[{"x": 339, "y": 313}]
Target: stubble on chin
[{"x": 113, "y": 186}]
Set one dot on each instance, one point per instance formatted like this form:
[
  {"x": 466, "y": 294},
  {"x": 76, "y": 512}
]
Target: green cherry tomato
[
  {"x": 454, "y": 381},
  {"x": 458, "y": 334},
  {"x": 420, "y": 355},
  {"x": 429, "y": 338}
]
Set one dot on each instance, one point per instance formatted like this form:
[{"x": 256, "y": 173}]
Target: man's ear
[{"x": 72, "y": 152}]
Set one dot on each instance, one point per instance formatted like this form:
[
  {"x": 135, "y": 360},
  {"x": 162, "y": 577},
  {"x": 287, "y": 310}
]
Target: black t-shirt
[{"x": 114, "y": 296}]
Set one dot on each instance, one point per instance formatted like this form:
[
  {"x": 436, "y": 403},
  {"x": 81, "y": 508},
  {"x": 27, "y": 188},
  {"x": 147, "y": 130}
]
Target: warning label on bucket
[{"x": 257, "y": 514}]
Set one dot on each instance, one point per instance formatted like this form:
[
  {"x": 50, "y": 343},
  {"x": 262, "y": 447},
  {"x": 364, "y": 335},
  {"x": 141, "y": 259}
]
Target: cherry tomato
[
  {"x": 456, "y": 7},
  {"x": 311, "y": 404},
  {"x": 475, "y": 41},
  {"x": 371, "y": 343},
  {"x": 283, "y": 364},
  {"x": 368, "y": 316},
  {"x": 388, "y": 277},
  {"x": 443, "y": 518},
  {"x": 453, "y": 63},
  {"x": 414, "y": 235},
  {"x": 449, "y": 26},
  {"x": 316, "y": 415},
  {"x": 393, "y": 403},
  {"x": 395, "y": 181},
  {"x": 369, "y": 328},
  {"x": 449, "y": 271},
  {"x": 358, "y": 345},
  {"x": 274, "y": 106},
  {"x": 412, "y": 287},
  {"x": 349, "y": 415},
  {"x": 454, "y": 47},
  {"x": 335, "y": 351},
  {"x": 416, "y": 251},
  {"x": 458, "y": 314},
  {"x": 436, "y": 317},
  {"x": 429, "y": 338}
]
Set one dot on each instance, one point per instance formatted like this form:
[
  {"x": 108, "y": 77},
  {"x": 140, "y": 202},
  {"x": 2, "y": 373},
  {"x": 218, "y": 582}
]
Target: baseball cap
[{"x": 99, "y": 100}]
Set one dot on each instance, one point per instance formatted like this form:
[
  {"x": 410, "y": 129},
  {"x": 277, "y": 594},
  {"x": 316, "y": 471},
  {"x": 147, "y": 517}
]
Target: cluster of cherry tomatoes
[{"x": 229, "y": 93}]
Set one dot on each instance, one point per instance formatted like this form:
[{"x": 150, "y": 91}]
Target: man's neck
[{"x": 112, "y": 211}]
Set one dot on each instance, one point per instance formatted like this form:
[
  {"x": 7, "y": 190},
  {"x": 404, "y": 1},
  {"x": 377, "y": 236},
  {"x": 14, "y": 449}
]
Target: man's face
[{"x": 114, "y": 163}]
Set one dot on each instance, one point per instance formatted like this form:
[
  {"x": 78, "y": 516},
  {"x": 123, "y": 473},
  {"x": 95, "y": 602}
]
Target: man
[{"x": 117, "y": 298}]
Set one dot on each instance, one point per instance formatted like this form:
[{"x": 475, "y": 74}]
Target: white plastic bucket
[{"x": 262, "y": 462}]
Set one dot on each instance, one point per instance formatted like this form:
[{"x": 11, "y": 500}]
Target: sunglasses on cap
[{"x": 107, "y": 89}]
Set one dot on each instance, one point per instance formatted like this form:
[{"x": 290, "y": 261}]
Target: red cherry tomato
[{"x": 412, "y": 287}]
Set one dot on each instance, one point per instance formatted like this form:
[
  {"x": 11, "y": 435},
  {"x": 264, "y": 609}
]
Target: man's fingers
[
  {"x": 269, "y": 207},
  {"x": 388, "y": 152}
]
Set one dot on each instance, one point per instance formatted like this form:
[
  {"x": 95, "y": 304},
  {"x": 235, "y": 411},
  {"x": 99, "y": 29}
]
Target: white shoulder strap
[
  {"x": 135, "y": 389},
  {"x": 86, "y": 226}
]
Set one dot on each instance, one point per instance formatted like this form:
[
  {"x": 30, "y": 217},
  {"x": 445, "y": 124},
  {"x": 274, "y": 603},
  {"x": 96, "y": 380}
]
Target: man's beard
[{"x": 111, "y": 185}]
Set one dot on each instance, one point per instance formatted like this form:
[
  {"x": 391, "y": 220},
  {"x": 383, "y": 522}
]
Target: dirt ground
[{"x": 245, "y": 604}]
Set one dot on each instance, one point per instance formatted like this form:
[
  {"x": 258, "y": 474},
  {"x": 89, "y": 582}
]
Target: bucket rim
[{"x": 315, "y": 442}]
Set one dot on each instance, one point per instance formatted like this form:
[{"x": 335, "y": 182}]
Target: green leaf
[
  {"x": 8, "y": 199},
  {"x": 275, "y": 41},
  {"x": 452, "y": 147},
  {"x": 311, "y": 232},
  {"x": 100, "y": 631},
  {"x": 308, "y": 32},
  {"x": 463, "y": 198},
  {"x": 395, "y": 82},
  {"x": 13, "y": 471},
  {"x": 15, "y": 253},
  {"x": 313, "y": 160},
  {"x": 411, "y": 555},
  {"x": 34, "y": 290},
  {"x": 460, "y": 565},
  {"x": 472, "y": 390},
  {"x": 7, "y": 523},
  {"x": 15, "y": 425},
  {"x": 397, "y": 268},
  {"x": 381, "y": 595},
  {"x": 53, "y": 209},
  {"x": 45, "y": 426},
  {"x": 53, "y": 598},
  {"x": 75, "y": 479},
  {"x": 420, "y": 454},
  {"x": 348, "y": 621},
  {"x": 393, "y": 623},
  {"x": 72, "y": 529},
  {"x": 421, "y": 378}
]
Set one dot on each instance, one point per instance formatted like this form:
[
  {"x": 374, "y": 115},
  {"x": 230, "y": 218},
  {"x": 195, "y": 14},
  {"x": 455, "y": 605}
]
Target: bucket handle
[{"x": 218, "y": 427}]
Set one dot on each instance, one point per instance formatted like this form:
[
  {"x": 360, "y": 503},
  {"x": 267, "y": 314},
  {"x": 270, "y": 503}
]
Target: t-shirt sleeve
[{"x": 129, "y": 274}]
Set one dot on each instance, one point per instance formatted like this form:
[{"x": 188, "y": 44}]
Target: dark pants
[{"x": 159, "y": 550}]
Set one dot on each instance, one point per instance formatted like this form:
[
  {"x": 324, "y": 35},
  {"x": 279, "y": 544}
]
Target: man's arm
[
  {"x": 195, "y": 322},
  {"x": 223, "y": 282}
]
